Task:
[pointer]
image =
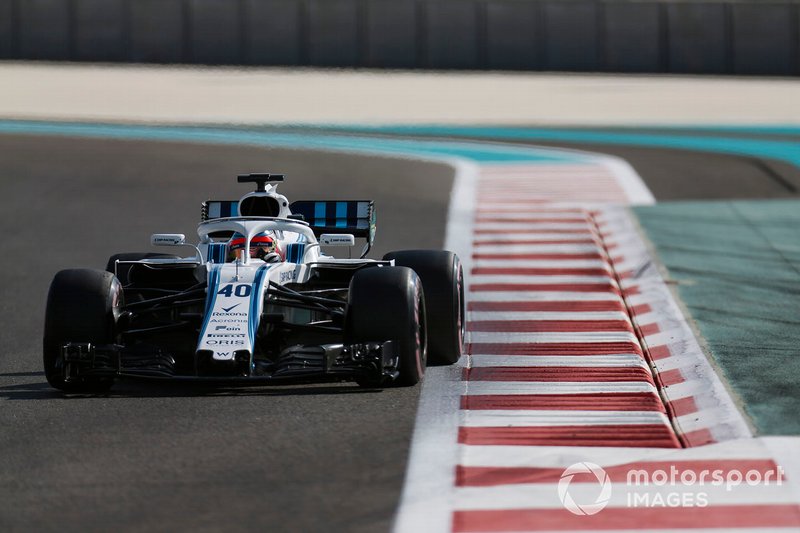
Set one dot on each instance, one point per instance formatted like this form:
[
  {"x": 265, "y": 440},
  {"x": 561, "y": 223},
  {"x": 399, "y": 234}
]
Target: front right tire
[{"x": 82, "y": 306}]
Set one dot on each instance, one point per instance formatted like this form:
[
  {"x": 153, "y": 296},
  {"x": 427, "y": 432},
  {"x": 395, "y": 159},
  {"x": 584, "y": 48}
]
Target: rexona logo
[{"x": 580, "y": 507}]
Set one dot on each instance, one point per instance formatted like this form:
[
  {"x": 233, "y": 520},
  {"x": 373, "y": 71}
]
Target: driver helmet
[{"x": 262, "y": 246}]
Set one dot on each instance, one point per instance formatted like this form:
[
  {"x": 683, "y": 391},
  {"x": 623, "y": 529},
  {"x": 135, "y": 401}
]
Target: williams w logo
[{"x": 573, "y": 497}]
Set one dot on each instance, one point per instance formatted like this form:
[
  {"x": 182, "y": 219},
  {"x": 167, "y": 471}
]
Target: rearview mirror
[
  {"x": 167, "y": 239},
  {"x": 335, "y": 239}
]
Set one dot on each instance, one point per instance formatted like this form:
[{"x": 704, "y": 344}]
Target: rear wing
[
  {"x": 354, "y": 217},
  {"x": 212, "y": 209}
]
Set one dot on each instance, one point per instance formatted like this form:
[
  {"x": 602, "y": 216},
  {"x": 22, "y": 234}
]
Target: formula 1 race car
[{"x": 258, "y": 302}]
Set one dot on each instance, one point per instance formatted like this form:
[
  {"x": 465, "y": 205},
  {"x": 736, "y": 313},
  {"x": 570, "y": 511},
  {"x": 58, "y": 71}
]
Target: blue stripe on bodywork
[
  {"x": 253, "y": 319},
  {"x": 294, "y": 252},
  {"x": 211, "y": 298},
  {"x": 216, "y": 252}
]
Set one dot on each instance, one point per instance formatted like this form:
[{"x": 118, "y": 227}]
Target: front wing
[{"x": 368, "y": 363}]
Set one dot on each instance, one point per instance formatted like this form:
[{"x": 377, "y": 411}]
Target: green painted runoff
[{"x": 737, "y": 265}]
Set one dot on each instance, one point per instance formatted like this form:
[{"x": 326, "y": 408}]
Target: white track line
[
  {"x": 533, "y": 214},
  {"x": 543, "y": 280},
  {"x": 426, "y": 504},
  {"x": 538, "y": 249},
  {"x": 543, "y": 226},
  {"x": 620, "y": 360},
  {"x": 563, "y": 456},
  {"x": 544, "y": 418},
  {"x": 629, "y": 181},
  {"x": 486, "y": 388},
  {"x": 512, "y": 337},
  {"x": 542, "y": 296},
  {"x": 476, "y": 316},
  {"x": 540, "y": 263},
  {"x": 499, "y": 237}
]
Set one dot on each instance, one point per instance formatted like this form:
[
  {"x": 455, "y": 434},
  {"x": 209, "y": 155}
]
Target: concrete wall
[{"x": 680, "y": 36}]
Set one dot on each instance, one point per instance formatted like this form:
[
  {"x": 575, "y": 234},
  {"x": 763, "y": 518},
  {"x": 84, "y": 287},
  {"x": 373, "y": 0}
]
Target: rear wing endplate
[
  {"x": 355, "y": 217},
  {"x": 212, "y": 209}
]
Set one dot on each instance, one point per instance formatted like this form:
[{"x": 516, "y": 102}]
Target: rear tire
[
  {"x": 82, "y": 306},
  {"x": 443, "y": 281},
  {"x": 388, "y": 304}
]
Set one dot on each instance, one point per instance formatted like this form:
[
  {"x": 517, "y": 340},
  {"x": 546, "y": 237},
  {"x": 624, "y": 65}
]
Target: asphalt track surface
[
  {"x": 161, "y": 458},
  {"x": 670, "y": 173},
  {"x": 166, "y": 458}
]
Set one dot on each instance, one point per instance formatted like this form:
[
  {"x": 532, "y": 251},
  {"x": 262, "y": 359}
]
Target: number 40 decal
[{"x": 242, "y": 291}]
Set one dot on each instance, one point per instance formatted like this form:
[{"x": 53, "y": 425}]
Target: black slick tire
[
  {"x": 82, "y": 306},
  {"x": 388, "y": 304},
  {"x": 443, "y": 281}
]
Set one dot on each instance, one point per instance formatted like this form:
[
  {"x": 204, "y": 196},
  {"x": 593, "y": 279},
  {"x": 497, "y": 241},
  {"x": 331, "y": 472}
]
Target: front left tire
[{"x": 388, "y": 304}]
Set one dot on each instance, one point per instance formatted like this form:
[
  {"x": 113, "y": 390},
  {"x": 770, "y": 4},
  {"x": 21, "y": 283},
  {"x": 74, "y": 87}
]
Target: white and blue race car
[{"x": 258, "y": 301}]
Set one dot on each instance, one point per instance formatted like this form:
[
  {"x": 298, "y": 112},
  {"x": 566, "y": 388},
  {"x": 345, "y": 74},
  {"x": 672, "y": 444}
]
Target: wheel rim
[
  {"x": 421, "y": 333},
  {"x": 461, "y": 306}
]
